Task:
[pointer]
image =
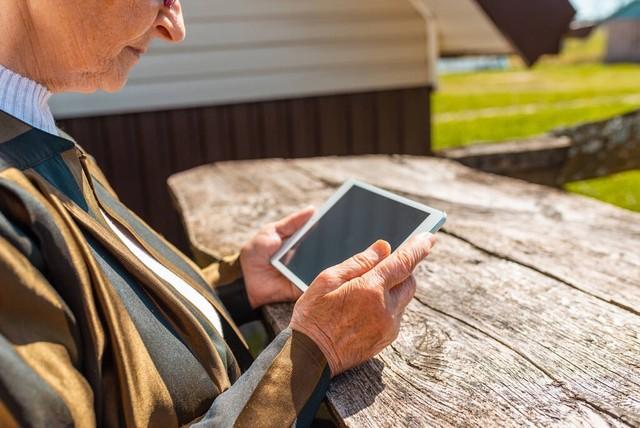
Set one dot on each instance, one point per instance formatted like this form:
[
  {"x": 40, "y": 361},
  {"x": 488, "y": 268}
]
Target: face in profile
[{"x": 87, "y": 45}]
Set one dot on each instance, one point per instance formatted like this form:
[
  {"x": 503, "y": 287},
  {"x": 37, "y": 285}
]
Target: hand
[
  {"x": 352, "y": 311},
  {"x": 264, "y": 283}
]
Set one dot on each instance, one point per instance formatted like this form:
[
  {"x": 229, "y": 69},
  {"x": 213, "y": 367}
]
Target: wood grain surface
[{"x": 527, "y": 312}]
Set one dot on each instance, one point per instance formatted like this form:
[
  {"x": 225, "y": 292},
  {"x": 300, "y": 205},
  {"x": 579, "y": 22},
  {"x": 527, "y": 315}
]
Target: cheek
[
  {"x": 126, "y": 25},
  {"x": 141, "y": 17}
]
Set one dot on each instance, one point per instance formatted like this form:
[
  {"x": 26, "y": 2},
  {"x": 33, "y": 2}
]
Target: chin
[
  {"x": 114, "y": 81},
  {"x": 113, "y": 86},
  {"x": 115, "y": 78}
]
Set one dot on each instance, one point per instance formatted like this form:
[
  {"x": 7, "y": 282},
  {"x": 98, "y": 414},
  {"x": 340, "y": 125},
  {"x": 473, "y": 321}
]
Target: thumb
[
  {"x": 290, "y": 224},
  {"x": 362, "y": 262}
]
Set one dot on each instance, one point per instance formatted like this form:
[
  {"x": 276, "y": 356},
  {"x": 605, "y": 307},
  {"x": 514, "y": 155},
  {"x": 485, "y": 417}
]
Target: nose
[{"x": 170, "y": 23}]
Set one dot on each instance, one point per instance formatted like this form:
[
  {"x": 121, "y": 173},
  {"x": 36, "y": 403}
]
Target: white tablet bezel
[{"x": 432, "y": 224}]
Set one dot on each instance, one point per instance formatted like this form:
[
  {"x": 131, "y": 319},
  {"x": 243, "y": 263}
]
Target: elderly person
[{"x": 102, "y": 322}]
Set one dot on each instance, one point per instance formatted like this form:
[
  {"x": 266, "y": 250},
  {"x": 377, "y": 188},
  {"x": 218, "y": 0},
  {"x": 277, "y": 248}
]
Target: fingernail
[
  {"x": 427, "y": 236},
  {"x": 379, "y": 249}
]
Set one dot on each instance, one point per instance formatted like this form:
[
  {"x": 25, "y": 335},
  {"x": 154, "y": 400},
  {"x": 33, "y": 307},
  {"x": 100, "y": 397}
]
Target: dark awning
[{"x": 533, "y": 27}]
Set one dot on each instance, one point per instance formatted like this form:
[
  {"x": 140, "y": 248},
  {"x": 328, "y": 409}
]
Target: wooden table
[{"x": 527, "y": 312}]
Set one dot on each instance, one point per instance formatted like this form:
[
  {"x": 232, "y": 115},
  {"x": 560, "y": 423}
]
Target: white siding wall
[{"x": 244, "y": 50}]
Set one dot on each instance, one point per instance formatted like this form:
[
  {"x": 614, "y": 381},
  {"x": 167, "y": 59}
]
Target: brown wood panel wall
[{"x": 139, "y": 151}]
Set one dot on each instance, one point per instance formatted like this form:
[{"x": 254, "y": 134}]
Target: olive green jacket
[{"x": 90, "y": 336}]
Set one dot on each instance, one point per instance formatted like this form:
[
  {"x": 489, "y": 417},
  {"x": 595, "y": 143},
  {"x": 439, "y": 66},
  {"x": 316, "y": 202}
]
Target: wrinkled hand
[
  {"x": 352, "y": 311},
  {"x": 264, "y": 283}
]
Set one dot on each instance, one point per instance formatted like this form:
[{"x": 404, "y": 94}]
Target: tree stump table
[{"x": 527, "y": 312}]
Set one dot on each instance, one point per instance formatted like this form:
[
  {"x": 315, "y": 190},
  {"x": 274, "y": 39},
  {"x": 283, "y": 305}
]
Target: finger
[
  {"x": 290, "y": 224},
  {"x": 361, "y": 263},
  {"x": 402, "y": 294},
  {"x": 400, "y": 265}
]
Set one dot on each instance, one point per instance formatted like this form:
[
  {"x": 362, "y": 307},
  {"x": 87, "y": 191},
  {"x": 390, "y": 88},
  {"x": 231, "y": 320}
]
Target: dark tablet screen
[{"x": 352, "y": 224}]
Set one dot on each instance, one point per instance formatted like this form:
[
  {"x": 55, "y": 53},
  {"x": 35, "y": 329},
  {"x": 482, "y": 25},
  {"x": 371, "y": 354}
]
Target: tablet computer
[{"x": 354, "y": 217}]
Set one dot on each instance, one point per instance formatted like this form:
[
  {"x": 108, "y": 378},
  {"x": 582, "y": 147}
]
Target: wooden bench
[{"x": 526, "y": 313}]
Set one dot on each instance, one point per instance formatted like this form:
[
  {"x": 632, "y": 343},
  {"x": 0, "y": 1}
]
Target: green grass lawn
[
  {"x": 619, "y": 189},
  {"x": 494, "y": 106}
]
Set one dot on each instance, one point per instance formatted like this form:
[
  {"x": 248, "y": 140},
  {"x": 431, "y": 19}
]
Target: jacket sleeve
[
  {"x": 225, "y": 278},
  {"x": 223, "y": 271},
  {"x": 40, "y": 380},
  {"x": 283, "y": 387}
]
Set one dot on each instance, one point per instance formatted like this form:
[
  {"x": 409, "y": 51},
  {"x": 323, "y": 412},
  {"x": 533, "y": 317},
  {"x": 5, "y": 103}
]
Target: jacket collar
[{"x": 23, "y": 147}]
